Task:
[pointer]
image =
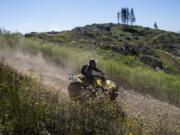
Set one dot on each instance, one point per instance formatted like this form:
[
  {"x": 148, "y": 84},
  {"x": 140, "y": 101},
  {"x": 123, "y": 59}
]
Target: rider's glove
[{"x": 102, "y": 73}]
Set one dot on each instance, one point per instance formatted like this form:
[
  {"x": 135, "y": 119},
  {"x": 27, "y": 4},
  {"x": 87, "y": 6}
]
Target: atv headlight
[{"x": 110, "y": 84}]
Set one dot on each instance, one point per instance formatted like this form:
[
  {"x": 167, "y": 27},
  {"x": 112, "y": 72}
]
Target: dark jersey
[{"x": 87, "y": 70}]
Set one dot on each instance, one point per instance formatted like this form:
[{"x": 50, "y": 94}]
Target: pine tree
[
  {"x": 118, "y": 17},
  {"x": 123, "y": 16},
  {"x": 127, "y": 16},
  {"x": 132, "y": 17},
  {"x": 155, "y": 25}
]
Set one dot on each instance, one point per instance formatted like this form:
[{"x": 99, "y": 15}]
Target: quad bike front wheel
[
  {"x": 74, "y": 89},
  {"x": 113, "y": 94}
]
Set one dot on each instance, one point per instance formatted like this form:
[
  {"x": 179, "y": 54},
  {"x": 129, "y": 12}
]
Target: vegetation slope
[
  {"x": 143, "y": 59},
  {"x": 31, "y": 108}
]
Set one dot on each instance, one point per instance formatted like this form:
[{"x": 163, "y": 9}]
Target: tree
[
  {"x": 127, "y": 16},
  {"x": 132, "y": 17},
  {"x": 155, "y": 25},
  {"x": 118, "y": 17},
  {"x": 123, "y": 16}
]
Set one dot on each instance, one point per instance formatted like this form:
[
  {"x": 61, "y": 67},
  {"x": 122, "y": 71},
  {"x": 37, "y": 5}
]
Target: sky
[{"x": 46, "y": 15}]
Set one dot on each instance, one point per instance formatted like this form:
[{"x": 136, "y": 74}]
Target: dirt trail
[
  {"x": 149, "y": 110},
  {"x": 145, "y": 108}
]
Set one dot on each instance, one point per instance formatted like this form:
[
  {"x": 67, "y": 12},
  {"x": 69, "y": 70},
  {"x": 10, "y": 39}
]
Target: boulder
[
  {"x": 126, "y": 50},
  {"x": 151, "y": 61}
]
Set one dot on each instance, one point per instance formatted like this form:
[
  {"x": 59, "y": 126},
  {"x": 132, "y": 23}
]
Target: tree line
[{"x": 126, "y": 16}]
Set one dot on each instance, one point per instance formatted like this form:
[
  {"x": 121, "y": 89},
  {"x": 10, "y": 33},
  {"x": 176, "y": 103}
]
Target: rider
[{"x": 88, "y": 69}]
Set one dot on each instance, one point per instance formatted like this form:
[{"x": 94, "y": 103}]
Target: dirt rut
[{"x": 145, "y": 108}]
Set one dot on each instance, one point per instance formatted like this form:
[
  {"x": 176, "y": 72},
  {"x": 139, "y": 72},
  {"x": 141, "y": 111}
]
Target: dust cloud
[{"x": 36, "y": 66}]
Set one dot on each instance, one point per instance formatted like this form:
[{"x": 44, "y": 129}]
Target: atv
[{"x": 99, "y": 84}]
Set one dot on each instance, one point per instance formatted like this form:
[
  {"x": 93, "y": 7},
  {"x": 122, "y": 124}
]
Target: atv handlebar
[{"x": 101, "y": 75}]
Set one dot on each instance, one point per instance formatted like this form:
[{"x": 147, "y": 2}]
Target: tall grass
[
  {"x": 126, "y": 71},
  {"x": 158, "y": 84},
  {"x": 30, "y": 108}
]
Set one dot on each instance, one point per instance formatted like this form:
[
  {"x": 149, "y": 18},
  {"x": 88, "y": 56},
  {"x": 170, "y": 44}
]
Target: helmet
[{"x": 92, "y": 62}]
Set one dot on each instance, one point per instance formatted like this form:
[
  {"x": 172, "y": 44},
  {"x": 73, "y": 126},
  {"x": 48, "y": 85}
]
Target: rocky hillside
[{"x": 157, "y": 49}]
